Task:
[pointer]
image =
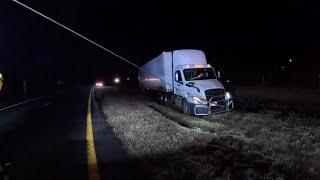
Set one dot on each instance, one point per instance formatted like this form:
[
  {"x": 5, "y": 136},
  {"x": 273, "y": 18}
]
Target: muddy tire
[
  {"x": 186, "y": 108},
  {"x": 168, "y": 100}
]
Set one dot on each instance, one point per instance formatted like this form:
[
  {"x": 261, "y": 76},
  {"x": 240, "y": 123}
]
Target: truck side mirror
[{"x": 218, "y": 74}]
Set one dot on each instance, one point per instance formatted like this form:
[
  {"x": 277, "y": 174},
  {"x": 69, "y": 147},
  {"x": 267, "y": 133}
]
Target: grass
[{"x": 224, "y": 146}]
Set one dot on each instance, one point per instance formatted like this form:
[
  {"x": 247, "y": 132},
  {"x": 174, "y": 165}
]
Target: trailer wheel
[
  {"x": 161, "y": 98},
  {"x": 167, "y": 100},
  {"x": 186, "y": 108}
]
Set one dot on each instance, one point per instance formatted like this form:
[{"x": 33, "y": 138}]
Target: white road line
[{"x": 18, "y": 104}]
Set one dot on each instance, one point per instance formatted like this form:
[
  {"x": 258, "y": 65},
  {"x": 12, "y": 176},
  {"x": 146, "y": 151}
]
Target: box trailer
[{"x": 183, "y": 78}]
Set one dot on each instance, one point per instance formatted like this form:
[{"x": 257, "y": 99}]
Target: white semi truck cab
[{"x": 183, "y": 78}]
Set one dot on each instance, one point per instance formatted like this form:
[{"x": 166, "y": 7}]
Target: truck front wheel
[{"x": 186, "y": 108}]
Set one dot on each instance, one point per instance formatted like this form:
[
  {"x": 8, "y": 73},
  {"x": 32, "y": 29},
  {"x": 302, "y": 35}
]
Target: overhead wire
[{"x": 92, "y": 42}]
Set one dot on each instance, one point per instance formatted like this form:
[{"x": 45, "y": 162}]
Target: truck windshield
[{"x": 199, "y": 74}]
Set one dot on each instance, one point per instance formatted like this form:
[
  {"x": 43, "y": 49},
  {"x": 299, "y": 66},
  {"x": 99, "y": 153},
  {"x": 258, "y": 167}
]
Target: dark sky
[{"x": 238, "y": 36}]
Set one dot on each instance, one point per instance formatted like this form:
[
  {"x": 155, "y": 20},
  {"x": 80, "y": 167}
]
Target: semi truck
[{"x": 184, "y": 79}]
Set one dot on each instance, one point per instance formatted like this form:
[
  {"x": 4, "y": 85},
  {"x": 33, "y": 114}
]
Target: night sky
[{"x": 243, "y": 38}]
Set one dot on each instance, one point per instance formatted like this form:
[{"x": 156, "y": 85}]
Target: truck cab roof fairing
[{"x": 188, "y": 56}]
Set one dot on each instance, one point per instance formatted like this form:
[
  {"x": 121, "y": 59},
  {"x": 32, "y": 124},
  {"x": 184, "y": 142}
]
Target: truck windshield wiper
[{"x": 191, "y": 84}]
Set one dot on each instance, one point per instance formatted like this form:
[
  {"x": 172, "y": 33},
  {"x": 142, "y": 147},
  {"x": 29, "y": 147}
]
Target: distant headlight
[
  {"x": 99, "y": 84},
  {"x": 227, "y": 96},
  {"x": 116, "y": 80},
  {"x": 197, "y": 100}
]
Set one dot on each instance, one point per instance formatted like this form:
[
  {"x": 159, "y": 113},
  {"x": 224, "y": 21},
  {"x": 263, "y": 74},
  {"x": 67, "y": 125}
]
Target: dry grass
[
  {"x": 147, "y": 133},
  {"x": 148, "y": 130},
  {"x": 284, "y": 139}
]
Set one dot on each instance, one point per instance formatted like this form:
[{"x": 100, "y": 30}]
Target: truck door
[{"x": 178, "y": 83}]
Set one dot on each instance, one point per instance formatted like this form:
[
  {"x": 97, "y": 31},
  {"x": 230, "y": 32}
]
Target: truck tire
[
  {"x": 186, "y": 108},
  {"x": 161, "y": 98},
  {"x": 167, "y": 99}
]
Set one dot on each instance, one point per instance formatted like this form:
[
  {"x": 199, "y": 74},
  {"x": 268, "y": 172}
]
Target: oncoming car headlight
[
  {"x": 99, "y": 84},
  {"x": 197, "y": 100},
  {"x": 227, "y": 96}
]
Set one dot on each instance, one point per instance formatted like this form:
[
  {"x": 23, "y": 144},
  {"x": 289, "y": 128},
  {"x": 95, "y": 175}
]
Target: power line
[
  {"x": 89, "y": 40},
  {"x": 76, "y": 33}
]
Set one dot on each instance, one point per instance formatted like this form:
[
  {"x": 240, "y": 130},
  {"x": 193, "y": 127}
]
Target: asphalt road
[{"x": 48, "y": 139}]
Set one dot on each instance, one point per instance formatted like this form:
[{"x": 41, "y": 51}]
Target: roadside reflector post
[{"x": 1, "y": 81}]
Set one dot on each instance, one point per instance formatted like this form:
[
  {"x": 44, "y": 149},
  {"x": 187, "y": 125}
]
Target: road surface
[{"x": 59, "y": 137}]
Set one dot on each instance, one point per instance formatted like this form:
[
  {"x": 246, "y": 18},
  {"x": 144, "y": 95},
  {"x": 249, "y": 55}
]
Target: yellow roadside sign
[{"x": 1, "y": 81}]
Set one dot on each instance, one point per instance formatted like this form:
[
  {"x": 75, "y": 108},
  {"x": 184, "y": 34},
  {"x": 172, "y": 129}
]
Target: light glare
[
  {"x": 99, "y": 84},
  {"x": 116, "y": 80}
]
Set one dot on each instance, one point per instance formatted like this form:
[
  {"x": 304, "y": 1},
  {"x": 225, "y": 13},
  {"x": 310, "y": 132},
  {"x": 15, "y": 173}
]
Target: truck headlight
[
  {"x": 227, "y": 96},
  {"x": 197, "y": 100}
]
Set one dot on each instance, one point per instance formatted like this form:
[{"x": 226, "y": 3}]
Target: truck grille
[
  {"x": 215, "y": 94},
  {"x": 220, "y": 107}
]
